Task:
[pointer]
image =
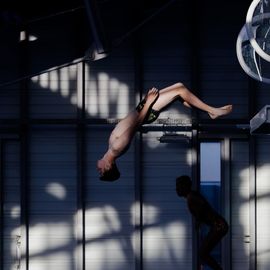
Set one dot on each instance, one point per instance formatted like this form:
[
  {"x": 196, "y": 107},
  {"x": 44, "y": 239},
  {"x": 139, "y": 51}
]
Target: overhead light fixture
[
  {"x": 25, "y": 37},
  {"x": 99, "y": 48},
  {"x": 94, "y": 54}
]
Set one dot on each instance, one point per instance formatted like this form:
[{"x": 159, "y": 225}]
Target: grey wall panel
[
  {"x": 222, "y": 79},
  {"x": 52, "y": 199},
  {"x": 215, "y": 69},
  {"x": 54, "y": 94},
  {"x": 262, "y": 95},
  {"x": 263, "y": 203},
  {"x": 12, "y": 209},
  {"x": 109, "y": 83},
  {"x": 232, "y": 90},
  {"x": 58, "y": 35},
  {"x": 9, "y": 102},
  {"x": 9, "y": 51},
  {"x": 110, "y": 210},
  {"x": 167, "y": 55},
  {"x": 240, "y": 205},
  {"x": 167, "y": 234}
]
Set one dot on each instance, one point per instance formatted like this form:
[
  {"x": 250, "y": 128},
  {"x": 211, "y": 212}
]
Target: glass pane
[{"x": 210, "y": 183}]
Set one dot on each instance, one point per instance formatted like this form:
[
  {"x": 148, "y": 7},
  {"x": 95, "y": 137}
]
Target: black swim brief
[{"x": 151, "y": 116}]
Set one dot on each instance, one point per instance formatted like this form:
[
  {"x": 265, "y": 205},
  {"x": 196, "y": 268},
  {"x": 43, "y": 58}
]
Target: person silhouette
[
  {"x": 147, "y": 111},
  {"x": 203, "y": 213}
]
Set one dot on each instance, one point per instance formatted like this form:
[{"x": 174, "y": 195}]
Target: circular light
[{"x": 258, "y": 27}]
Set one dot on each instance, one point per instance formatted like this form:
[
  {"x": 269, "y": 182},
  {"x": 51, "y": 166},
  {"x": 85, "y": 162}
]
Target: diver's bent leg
[{"x": 169, "y": 94}]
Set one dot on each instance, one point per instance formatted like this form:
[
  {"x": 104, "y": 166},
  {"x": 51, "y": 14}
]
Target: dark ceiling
[
  {"x": 67, "y": 26},
  {"x": 14, "y": 11},
  {"x": 63, "y": 26}
]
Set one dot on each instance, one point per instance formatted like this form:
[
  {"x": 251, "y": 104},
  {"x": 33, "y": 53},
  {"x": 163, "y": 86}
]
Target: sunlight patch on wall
[
  {"x": 263, "y": 217},
  {"x": 12, "y": 253},
  {"x": 263, "y": 176},
  {"x": 243, "y": 184},
  {"x": 166, "y": 242},
  {"x": 189, "y": 153},
  {"x": 15, "y": 211},
  {"x": 121, "y": 96},
  {"x": 243, "y": 217},
  {"x": 53, "y": 81},
  {"x": 106, "y": 97},
  {"x": 92, "y": 99},
  {"x": 59, "y": 260},
  {"x": 241, "y": 210},
  {"x": 56, "y": 190},
  {"x": 109, "y": 254},
  {"x": 153, "y": 141},
  {"x": 263, "y": 212},
  {"x": 151, "y": 214},
  {"x": 42, "y": 80},
  {"x": 48, "y": 236},
  {"x": 64, "y": 82},
  {"x": 263, "y": 253},
  {"x": 15, "y": 233},
  {"x": 57, "y": 81},
  {"x": 155, "y": 245},
  {"x": 134, "y": 241},
  {"x": 134, "y": 213},
  {"x": 137, "y": 98},
  {"x": 103, "y": 94},
  {"x": 108, "y": 243},
  {"x": 263, "y": 222},
  {"x": 74, "y": 100},
  {"x": 102, "y": 221},
  {"x": 176, "y": 231}
]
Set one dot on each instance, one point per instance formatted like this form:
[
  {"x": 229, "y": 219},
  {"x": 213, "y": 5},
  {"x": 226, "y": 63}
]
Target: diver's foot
[
  {"x": 152, "y": 96},
  {"x": 218, "y": 112}
]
